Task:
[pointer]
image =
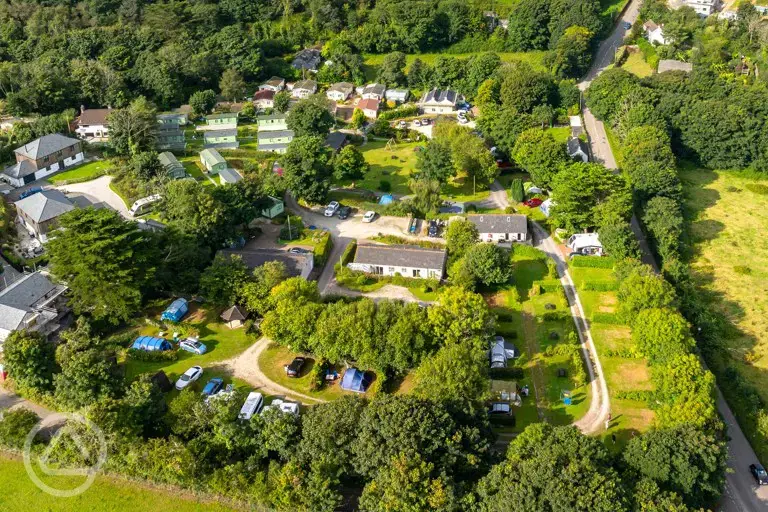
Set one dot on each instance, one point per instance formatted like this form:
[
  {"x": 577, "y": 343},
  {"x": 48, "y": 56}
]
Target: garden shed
[
  {"x": 176, "y": 311},
  {"x": 151, "y": 344},
  {"x": 355, "y": 380}
]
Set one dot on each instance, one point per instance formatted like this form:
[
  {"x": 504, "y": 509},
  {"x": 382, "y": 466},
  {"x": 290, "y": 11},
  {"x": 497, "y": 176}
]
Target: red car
[{"x": 533, "y": 202}]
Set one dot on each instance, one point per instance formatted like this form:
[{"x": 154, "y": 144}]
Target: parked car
[
  {"x": 627, "y": 25},
  {"x": 298, "y": 250},
  {"x": 330, "y": 210},
  {"x": 188, "y": 377},
  {"x": 344, "y": 212},
  {"x": 193, "y": 345},
  {"x": 498, "y": 408},
  {"x": 213, "y": 386},
  {"x": 416, "y": 122},
  {"x": 30, "y": 191},
  {"x": 402, "y": 125},
  {"x": 426, "y": 122},
  {"x": 433, "y": 227},
  {"x": 463, "y": 120},
  {"x": 759, "y": 473},
  {"x": 533, "y": 202},
  {"x": 282, "y": 406},
  {"x": 294, "y": 369},
  {"x": 498, "y": 353},
  {"x": 369, "y": 216},
  {"x": 252, "y": 405}
]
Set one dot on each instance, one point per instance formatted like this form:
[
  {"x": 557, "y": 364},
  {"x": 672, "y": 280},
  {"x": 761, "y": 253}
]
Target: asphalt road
[{"x": 741, "y": 494}]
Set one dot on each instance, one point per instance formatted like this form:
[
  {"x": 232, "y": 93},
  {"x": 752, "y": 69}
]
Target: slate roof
[
  {"x": 309, "y": 58},
  {"x": 169, "y": 161},
  {"x": 276, "y": 134},
  {"x": 441, "y": 96},
  {"x": 294, "y": 263},
  {"x": 93, "y": 116},
  {"x": 220, "y": 133},
  {"x": 309, "y": 85},
  {"x": 211, "y": 156},
  {"x": 46, "y": 145},
  {"x": 20, "y": 169},
  {"x": 500, "y": 223},
  {"x": 342, "y": 87},
  {"x": 575, "y": 144},
  {"x": 335, "y": 140},
  {"x": 397, "y": 94},
  {"x": 233, "y": 313},
  {"x": 401, "y": 256},
  {"x": 45, "y": 205},
  {"x": 17, "y": 300},
  {"x": 229, "y": 175},
  {"x": 378, "y": 89}
]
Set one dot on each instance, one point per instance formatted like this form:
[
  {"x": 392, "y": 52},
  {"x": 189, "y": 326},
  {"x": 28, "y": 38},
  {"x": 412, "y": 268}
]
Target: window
[{"x": 391, "y": 270}]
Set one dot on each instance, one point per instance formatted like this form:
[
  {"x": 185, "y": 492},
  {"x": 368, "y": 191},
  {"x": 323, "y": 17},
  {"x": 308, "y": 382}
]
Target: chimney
[{"x": 82, "y": 109}]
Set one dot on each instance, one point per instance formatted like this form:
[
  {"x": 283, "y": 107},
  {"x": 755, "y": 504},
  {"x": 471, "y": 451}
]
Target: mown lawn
[
  {"x": 105, "y": 495},
  {"x": 192, "y": 166},
  {"x": 393, "y": 165},
  {"x": 222, "y": 342},
  {"x": 636, "y": 65},
  {"x": 85, "y": 172}
]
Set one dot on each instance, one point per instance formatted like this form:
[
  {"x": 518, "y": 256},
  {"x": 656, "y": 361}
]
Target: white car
[
  {"x": 330, "y": 210},
  {"x": 189, "y": 377},
  {"x": 252, "y": 405},
  {"x": 369, "y": 216},
  {"x": 283, "y": 406}
]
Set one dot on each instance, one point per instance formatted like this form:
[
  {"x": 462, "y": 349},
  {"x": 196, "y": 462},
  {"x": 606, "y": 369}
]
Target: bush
[
  {"x": 471, "y": 208},
  {"x": 592, "y": 262},
  {"x": 600, "y": 286},
  {"x": 349, "y": 253},
  {"x": 14, "y": 427},
  {"x": 400, "y": 112},
  {"x": 154, "y": 356},
  {"x": 296, "y": 230},
  {"x": 535, "y": 290},
  {"x": 554, "y": 316},
  {"x": 640, "y": 396},
  {"x": 506, "y": 373},
  {"x": 317, "y": 375},
  {"x": 758, "y": 188},
  {"x": 385, "y": 186},
  {"x": 322, "y": 248}
]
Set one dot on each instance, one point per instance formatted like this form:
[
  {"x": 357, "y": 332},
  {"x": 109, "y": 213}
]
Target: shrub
[
  {"x": 400, "y": 112},
  {"x": 317, "y": 375},
  {"x": 471, "y": 207},
  {"x": 517, "y": 191},
  {"x": 592, "y": 262},
  {"x": 14, "y": 427},
  {"x": 349, "y": 253},
  {"x": 535, "y": 290},
  {"x": 385, "y": 186},
  {"x": 758, "y": 188},
  {"x": 640, "y": 396},
  {"x": 600, "y": 286},
  {"x": 506, "y": 373},
  {"x": 151, "y": 356}
]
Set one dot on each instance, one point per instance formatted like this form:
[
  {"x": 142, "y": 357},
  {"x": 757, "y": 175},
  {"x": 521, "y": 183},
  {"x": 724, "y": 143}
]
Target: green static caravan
[
  {"x": 173, "y": 168},
  {"x": 222, "y": 139},
  {"x": 212, "y": 161},
  {"x": 272, "y": 122},
  {"x": 170, "y": 137},
  {"x": 223, "y": 120},
  {"x": 275, "y": 208},
  {"x": 172, "y": 118},
  {"x": 276, "y": 141}
]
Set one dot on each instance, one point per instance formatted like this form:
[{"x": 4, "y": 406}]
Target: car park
[
  {"x": 253, "y": 404},
  {"x": 188, "y": 377},
  {"x": 213, "y": 386},
  {"x": 193, "y": 345},
  {"x": 344, "y": 212},
  {"x": 369, "y": 216},
  {"x": 330, "y": 210},
  {"x": 294, "y": 369},
  {"x": 758, "y": 471}
]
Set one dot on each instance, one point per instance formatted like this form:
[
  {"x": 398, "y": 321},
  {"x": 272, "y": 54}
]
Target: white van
[{"x": 252, "y": 406}]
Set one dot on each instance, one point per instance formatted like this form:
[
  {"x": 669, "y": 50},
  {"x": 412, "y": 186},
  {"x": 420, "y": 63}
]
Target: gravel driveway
[{"x": 98, "y": 191}]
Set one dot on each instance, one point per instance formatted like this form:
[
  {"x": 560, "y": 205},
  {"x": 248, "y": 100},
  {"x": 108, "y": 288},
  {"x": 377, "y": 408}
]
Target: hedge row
[
  {"x": 606, "y": 318},
  {"x": 400, "y": 112},
  {"x": 349, "y": 253},
  {"x": 592, "y": 262},
  {"x": 151, "y": 357},
  {"x": 600, "y": 286}
]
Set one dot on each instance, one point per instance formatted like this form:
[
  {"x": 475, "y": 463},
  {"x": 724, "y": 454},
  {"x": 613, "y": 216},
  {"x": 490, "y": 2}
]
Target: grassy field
[
  {"x": 272, "y": 362},
  {"x": 393, "y": 165},
  {"x": 624, "y": 375},
  {"x": 105, "y": 495},
  {"x": 83, "y": 172},
  {"x": 222, "y": 342},
  {"x": 636, "y": 65}
]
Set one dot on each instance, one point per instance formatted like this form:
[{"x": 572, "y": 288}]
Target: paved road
[{"x": 741, "y": 494}]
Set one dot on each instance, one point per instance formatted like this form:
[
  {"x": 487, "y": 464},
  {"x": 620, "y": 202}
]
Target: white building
[
  {"x": 501, "y": 227},
  {"x": 274, "y": 84},
  {"x": 577, "y": 148},
  {"x": 438, "y": 101},
  {"x": 340, "y": 91},
  {"x": 586, "y": 243},
  {"x": 304, "y": 89},
  {"x": 407, "y": 260},
  {"x": 703, "y": 7},
  {"x": 397, "y": 95},
  {"x": 43, "y": 157},
  {"x": 654, "y": 33},
  {"x": 92, "y": 124},
  {"x": 373, "y": 92}
]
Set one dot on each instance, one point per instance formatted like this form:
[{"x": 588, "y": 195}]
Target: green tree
[
  {"x": 132, "y": 129},
  {"x": 456, "y": 373},
  {"x": 232, "y": 85},
  {"x": 248, "y": 111},
  {"x": 650, "y": 164},
  {"x": 419, "y": 74},
  {"x": 618, "y": 239},
  {"x": 661, "y": 334},
  {"x": 538, "y": 152},
  {"x": 434, "y": 161},
  {"x": 392, "y": 70},
  {"x": 282, "y": 100},
  {"x": 307, "y": 168},
  {"x": 685, "y": 394},
  {"x": 106, "y": 262},
  {"x": 202, "y": 102},
  {"x": 15, "y": 426},
  {"x": 222, "y": 281},
  {"x": 664, "y": 221},
  {"x": 564, "y": 14},
  {"x": 145, "y": 165},
  {"x": 490, "y": 263},
  {"x": 551, "y": 468},
  {"x": 311, "y": 117},
  {"x": 517, "y": 190},
  {"x": 30, "y": 360},
  {"x": 329, "y": 429},
  {"x": 688, "y": 461},
  {"x": 572, "y": 55},
  {"x": 606, "y": 93},
  {"x": 522, "y": 88},
  {"x": 641, "y": 290},
  {"x": 349, "y": 164},
  {"x": 358, "y": 119},
  {"x": 460, "y": 315},
  {"x": 527, "y": 28},
  {"x": 86, "y": 377},
  {"x": 255, "y": 293},
  {"x": 460, "y": 235},
  {"x": 469, "y": 154},
  {"x": 194, "y": 210},
  {"x": 426, "y": 195}
]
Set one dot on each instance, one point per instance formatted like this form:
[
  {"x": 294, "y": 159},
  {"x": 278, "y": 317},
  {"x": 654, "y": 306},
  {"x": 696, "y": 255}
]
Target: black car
[
  {"x": 294, "y": 369},
  {"x": 433, "y": 227},
  {"x": 344, "y": 212},
  {"x": 759, "y": 473}
]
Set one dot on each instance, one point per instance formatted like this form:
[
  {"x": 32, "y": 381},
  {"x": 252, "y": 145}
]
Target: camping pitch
[
  {"x": 151, "y": 344},
  {"x": 175, "y": 311},
  {"x": 355, "y": 380}
]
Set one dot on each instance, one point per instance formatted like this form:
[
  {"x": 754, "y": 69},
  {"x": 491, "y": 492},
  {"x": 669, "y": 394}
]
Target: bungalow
[
  {"x": 43, "y": 157},
  {"x": 212, "y": 161},
  {"x": 370, "y": 108},
  {"x": 336, "y": 141},
  {"x": 92, "y": 124},
  {"x": 501, "y": 227},
  {"x": 586, "y": 243},
  {"x": 178, "y": 118},
  {"x": 272, "y": 122},
  {"x": 654, "y": 33},
  {"x": 264, "y": 98},
  {"x": 229, "y": 176},
  {"x": 397, "y": 95},
  {"x": 276, "y": 141},
  {"x": 308, "y": 59},
  {"x": 224, "y": 139},
  {"x": 33, "y": 303},
  {"x": 274, "y": 84},
  {"x": 222, "y": 121},
  {"x": 374, "y": 92},
  {"x": 340, "y": 91},
  {"x": 40, "y": 212},
  {"x": 275, "y": 208},
  {"x": 577, "y": 148},
  {"x": 304, "y": 89},
  {"x": 439, "y": 101},
  {"x": 296, "y": 265},
  {"x": 406, "y": 260},
  {"x": 173, "y": 168},
  {"x": 170, "y": 137}
]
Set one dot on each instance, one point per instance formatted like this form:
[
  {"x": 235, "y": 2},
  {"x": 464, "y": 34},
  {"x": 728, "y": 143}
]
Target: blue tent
[
  {"x": 386, "y": 199},
  {"x": 150, "y": 344},
  {"x": 355, "y": 380},
  {"x": 175, "y": 311}
]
